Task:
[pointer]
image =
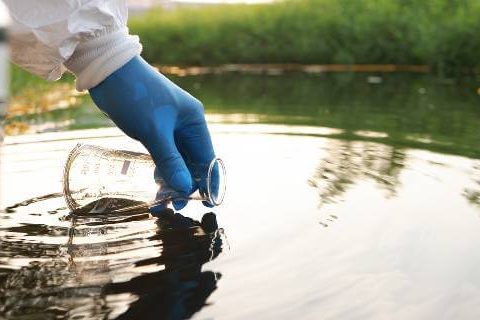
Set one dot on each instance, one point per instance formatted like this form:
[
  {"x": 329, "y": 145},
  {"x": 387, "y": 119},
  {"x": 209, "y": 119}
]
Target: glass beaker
[{"x": 103, "y": 176}]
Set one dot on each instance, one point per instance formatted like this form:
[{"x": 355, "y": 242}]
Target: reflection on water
[
  {"x": 401, "y": 241},
  {"x": 403, "y": 110},
  {"x": 130, "y": 266},
  {"x": 348, "y": 162},
  {"x": 473, "y": 193}
]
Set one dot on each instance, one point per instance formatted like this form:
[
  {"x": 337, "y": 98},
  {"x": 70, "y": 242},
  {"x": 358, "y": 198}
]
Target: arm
[{"x": 90, "y": 38}]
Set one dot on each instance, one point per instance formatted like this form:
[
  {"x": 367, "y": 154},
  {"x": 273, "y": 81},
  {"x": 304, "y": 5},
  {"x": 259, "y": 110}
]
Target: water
[
  {"x": 65, "y": 266},
  {"x": 365, "y": 206}
]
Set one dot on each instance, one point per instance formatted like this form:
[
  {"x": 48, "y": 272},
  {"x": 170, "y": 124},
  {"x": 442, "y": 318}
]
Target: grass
[{"x": 438, "y": 33}]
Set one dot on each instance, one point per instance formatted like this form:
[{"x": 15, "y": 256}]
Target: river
[{"x": 349, "y": 196}]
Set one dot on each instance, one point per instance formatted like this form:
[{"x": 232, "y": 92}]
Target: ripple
[{"x": 129, "y": 265}]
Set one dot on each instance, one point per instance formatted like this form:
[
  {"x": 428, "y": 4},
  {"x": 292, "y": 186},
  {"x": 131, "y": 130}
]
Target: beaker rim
[{"x": 218, "y": 199}]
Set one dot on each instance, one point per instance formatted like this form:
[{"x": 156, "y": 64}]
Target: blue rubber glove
[{"x": 167, "y": 120}]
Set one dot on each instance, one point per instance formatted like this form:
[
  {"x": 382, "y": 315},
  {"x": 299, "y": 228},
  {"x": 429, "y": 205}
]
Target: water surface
[{"x": 346, "y": 200}]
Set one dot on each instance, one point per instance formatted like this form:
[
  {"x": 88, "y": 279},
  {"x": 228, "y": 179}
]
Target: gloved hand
[{"x": 167, "y": 120}]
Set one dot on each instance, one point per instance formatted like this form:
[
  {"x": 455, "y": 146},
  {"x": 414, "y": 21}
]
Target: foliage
[
  {"x": 21, "y": 80},
  {"x": 440, "y": 33}
]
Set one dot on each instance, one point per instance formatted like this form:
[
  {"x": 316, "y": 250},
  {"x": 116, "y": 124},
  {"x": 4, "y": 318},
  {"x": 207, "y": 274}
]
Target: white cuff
[{"x": 98, "y": 58}]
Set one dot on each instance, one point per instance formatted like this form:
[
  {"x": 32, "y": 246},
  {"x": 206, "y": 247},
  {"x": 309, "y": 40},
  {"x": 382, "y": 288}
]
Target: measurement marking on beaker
[{"x": 126, "y": 164}]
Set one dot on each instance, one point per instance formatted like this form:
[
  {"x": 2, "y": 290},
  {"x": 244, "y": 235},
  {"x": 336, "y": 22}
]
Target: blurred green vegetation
[
  {"x": 34, "y": 100},
  {"x": 439, "y": 33},
  {"x": 403, "y": 110},
  {"x": 442, "y": 34},
  {"x": 21, "y": 80},
  {"x": 413, "y": 111}
]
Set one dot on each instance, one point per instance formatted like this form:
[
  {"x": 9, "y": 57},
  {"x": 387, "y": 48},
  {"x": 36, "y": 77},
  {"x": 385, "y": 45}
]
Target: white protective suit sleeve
[{"x": 88, "y": 37}]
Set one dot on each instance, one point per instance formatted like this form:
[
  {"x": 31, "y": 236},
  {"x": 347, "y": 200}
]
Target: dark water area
[
  {"x": 97, "y": 267},
  {"x": 348, "y": 197},
  {"x": 407, "y": 110}
]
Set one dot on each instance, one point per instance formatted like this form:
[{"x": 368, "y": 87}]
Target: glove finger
[
  {"x": 170, "y": 165},
  {"x": 196, "y": 145}
]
